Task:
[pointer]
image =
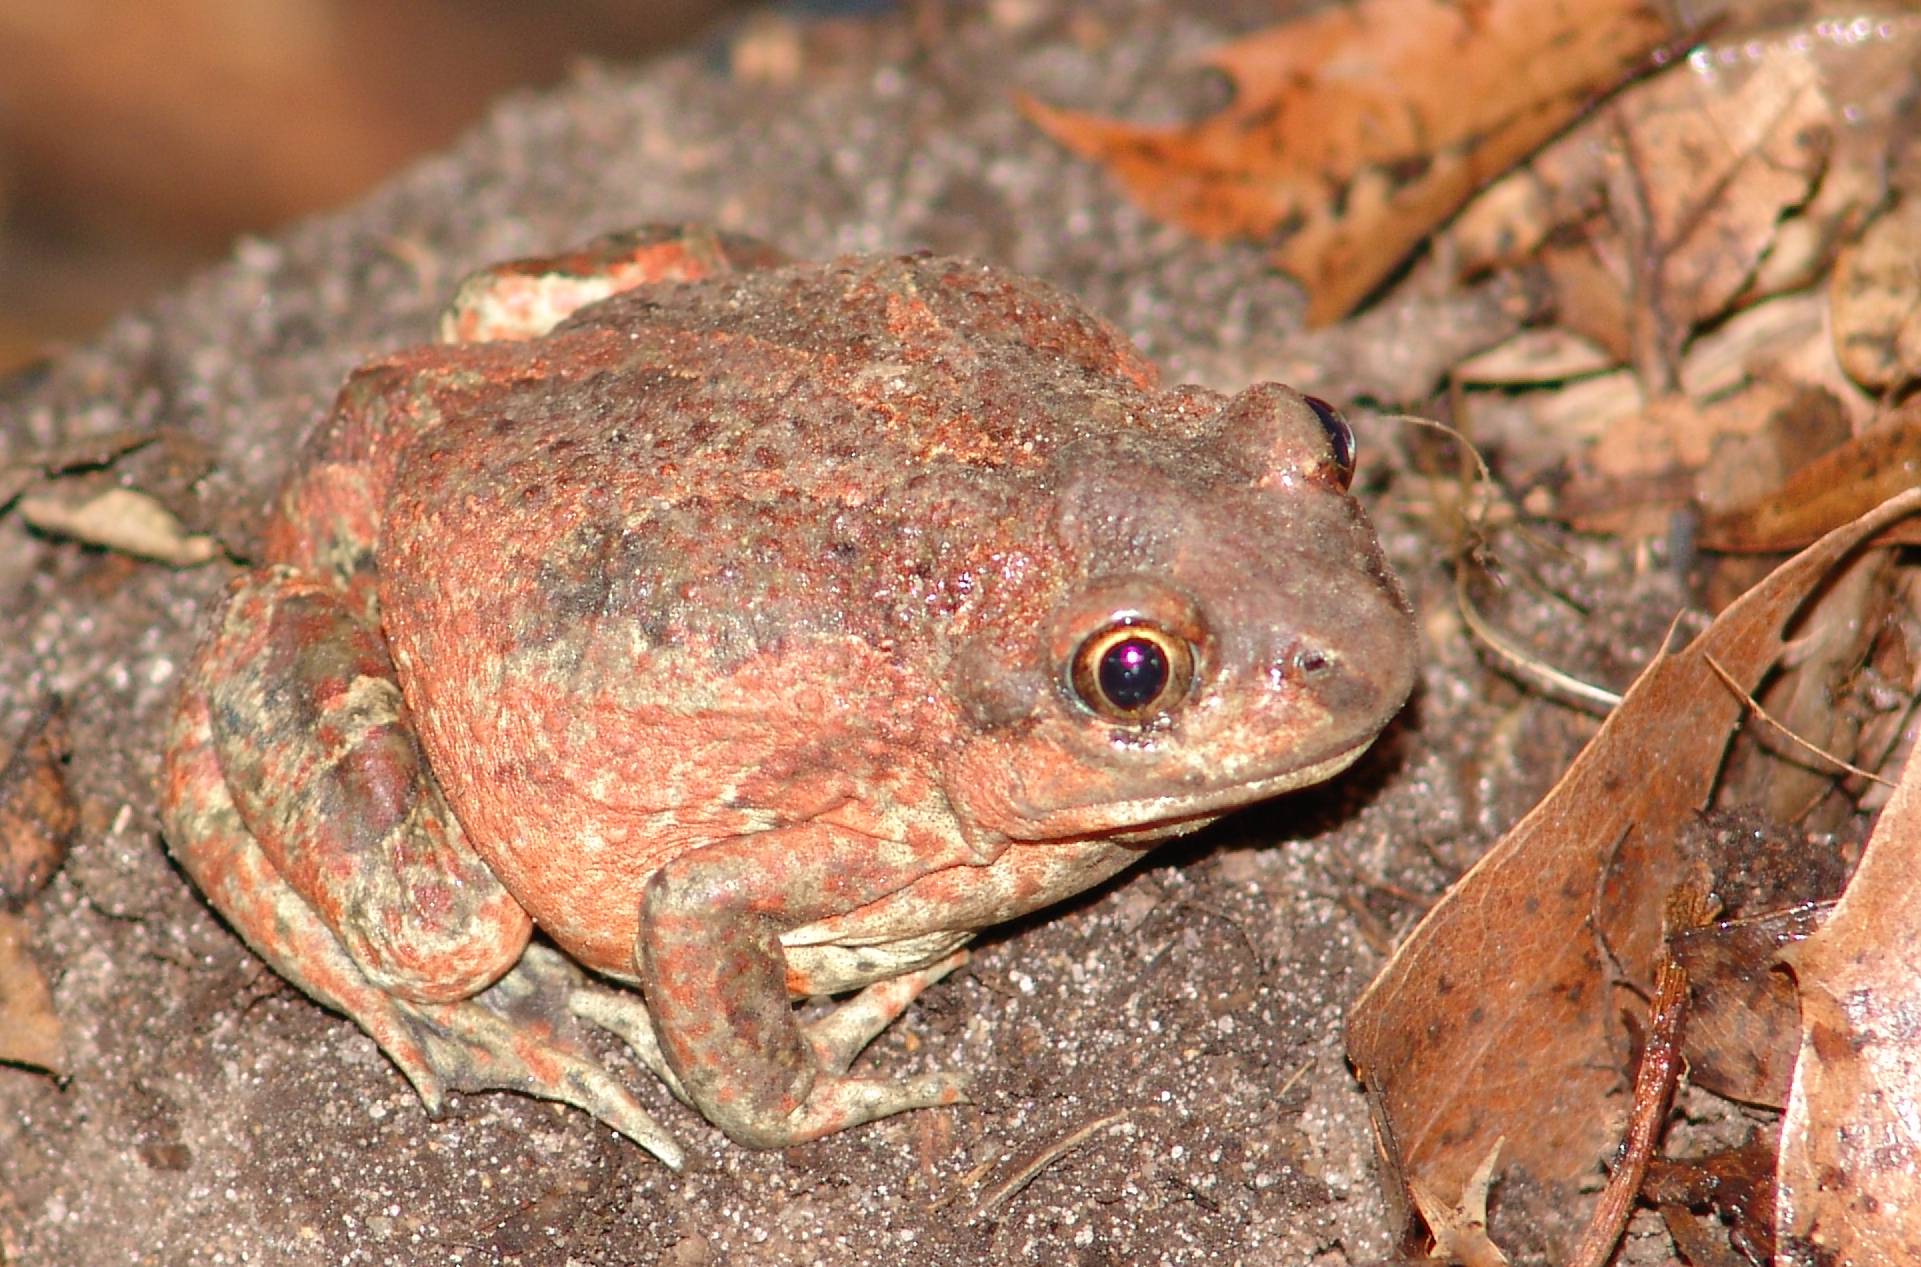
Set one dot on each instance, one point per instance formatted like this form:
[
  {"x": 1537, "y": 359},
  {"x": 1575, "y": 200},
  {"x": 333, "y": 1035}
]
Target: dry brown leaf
[
  {"x": 1850, "y": 1170},
  {"x": 1782, "y": 340},
  {"x": 93, "y": 452},
  {"x": 1743, "y": 1024},
  {"x": 1356, "y": 130},
  {"x": 1829, "y": 490},
  {"x": 1735, "y": 1187},
  {"x": 1694, "y": 193},
  {"x": 1706, "y": 181},
  {"x": 29, "y": 1029},
  {"x": 1460, "y": 1228},
  {"x": 1534, "y": 435},
  {"x": 1496, "y": 1016},
  {"x": 1799, "y": 425},
  {"x": 1812, "y": 716},
  {"x": 123, "y": 519},
  {"x": 1686, "y": 227},
  {"x": 1689, "y": 211},
  {"x": 1648, "y": 464},
  {"x": 131, "y": 510},
  {"x": 1533, "y": 357},
  {"x": 1876, "y": 296},
  {"x": 37, "y": 813}
]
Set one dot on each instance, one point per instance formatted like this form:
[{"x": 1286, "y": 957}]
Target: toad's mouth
[{"x": 1150, "y": 819}]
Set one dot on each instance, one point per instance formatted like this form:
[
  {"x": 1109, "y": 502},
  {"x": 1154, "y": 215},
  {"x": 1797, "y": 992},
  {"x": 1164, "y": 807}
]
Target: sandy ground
[{"x": 214, "y": 1115}]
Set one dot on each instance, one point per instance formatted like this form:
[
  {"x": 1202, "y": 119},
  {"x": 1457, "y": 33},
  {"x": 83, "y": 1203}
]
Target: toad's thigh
[{"x": 305, "y": 723}]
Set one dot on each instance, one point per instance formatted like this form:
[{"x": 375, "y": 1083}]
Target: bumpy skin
[{"x": 726, "y": 634}]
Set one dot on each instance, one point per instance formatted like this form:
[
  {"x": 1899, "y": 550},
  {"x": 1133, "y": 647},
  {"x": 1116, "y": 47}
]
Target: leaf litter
[
  {"x": 1351, "y": 140},
  {"x": 38, "y": 818},
  {"x": 1711, "y": 354},
  {"x": 1703, "y": 337}
]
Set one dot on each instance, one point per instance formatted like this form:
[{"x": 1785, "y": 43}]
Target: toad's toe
[{"x": 522, "y": 1035}]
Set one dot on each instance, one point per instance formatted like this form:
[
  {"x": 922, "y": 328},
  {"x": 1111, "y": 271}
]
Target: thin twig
[
  {"x": 1754, "y": 706},
  {"x": 1529, "y": 668},
  {"x": 1024, "y": 1172},
  {"x": 1654, "y": 1084}
]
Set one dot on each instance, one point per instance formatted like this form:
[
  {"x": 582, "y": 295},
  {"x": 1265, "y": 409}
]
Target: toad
[{"x": 754, "y": 631}]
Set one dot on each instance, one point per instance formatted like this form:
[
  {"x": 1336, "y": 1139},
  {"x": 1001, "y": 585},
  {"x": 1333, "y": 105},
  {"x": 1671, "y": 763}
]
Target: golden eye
[{"x": 1132, "y": 671}]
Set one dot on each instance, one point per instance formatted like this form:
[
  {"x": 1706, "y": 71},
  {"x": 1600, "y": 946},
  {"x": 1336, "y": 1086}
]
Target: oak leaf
[
  {"x": 1496, "y": 1018},
  {"x": 1356, "y": 130}
]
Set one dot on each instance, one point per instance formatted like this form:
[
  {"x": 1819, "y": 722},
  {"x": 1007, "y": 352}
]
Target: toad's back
[{"x": 862, "y": 447}]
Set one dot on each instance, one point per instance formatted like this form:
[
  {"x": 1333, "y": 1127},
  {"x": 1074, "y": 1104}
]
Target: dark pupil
[
  {"x": 1340, "y": 436},
  {"x": 1133, "y": 673}
]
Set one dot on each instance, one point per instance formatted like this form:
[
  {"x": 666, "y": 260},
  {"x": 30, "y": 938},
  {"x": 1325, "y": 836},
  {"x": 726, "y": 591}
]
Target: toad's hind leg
[{"x": 295, "y": 799}]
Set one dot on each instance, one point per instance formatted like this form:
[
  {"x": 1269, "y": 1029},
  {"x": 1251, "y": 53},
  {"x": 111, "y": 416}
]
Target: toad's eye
[
  {"x": 1132, "y": 671},
  {"x": 1340, "y": 437}
]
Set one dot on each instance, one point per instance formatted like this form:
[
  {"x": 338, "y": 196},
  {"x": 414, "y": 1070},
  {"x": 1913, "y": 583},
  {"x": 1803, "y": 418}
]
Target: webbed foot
[{"x": 523, "y": 1034}]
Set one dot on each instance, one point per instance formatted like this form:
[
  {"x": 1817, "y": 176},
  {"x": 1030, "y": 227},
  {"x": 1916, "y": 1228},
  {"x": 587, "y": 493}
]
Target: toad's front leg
[{"x": 716, "y": 981}]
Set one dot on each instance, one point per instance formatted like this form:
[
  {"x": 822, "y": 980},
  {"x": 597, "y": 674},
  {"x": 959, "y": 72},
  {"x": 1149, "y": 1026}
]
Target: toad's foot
[
  {"x": 836, "y": 1101},
  {"x": 518, "y": 1034},
  {"x": 716, "y": 977},
  {"x": 836, "y": 1038},
  {"x": 839, "y": 1036},
  {"x": 521, "y": 1035}
]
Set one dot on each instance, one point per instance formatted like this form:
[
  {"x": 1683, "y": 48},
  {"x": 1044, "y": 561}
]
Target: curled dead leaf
[
  {"x": 1832, "y": 489},
  {"x": 1496, "y": 1017},
  {"x": 1351, "y": 140},
  {"x": 37, "y": 813},
  {"x": 1743, "y": 1026},
  {"x": 123, "y": 519},
  {"x": 1685, "y": 229},
  {"x": 1702, "y": 190},
  {"x": 21, "y": 472},
  {"x": 1734, "y": 1187},
  {"x": 68, "y": 490},
  {"x": 1850, "y": 1169},
  {"x": 1875, "y": 293},
  {"x": 29, "y": 1029}
]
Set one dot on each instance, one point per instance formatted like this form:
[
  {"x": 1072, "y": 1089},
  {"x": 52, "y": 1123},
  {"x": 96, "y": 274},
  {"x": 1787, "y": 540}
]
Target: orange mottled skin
[{"x": 727, "y": 633}]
